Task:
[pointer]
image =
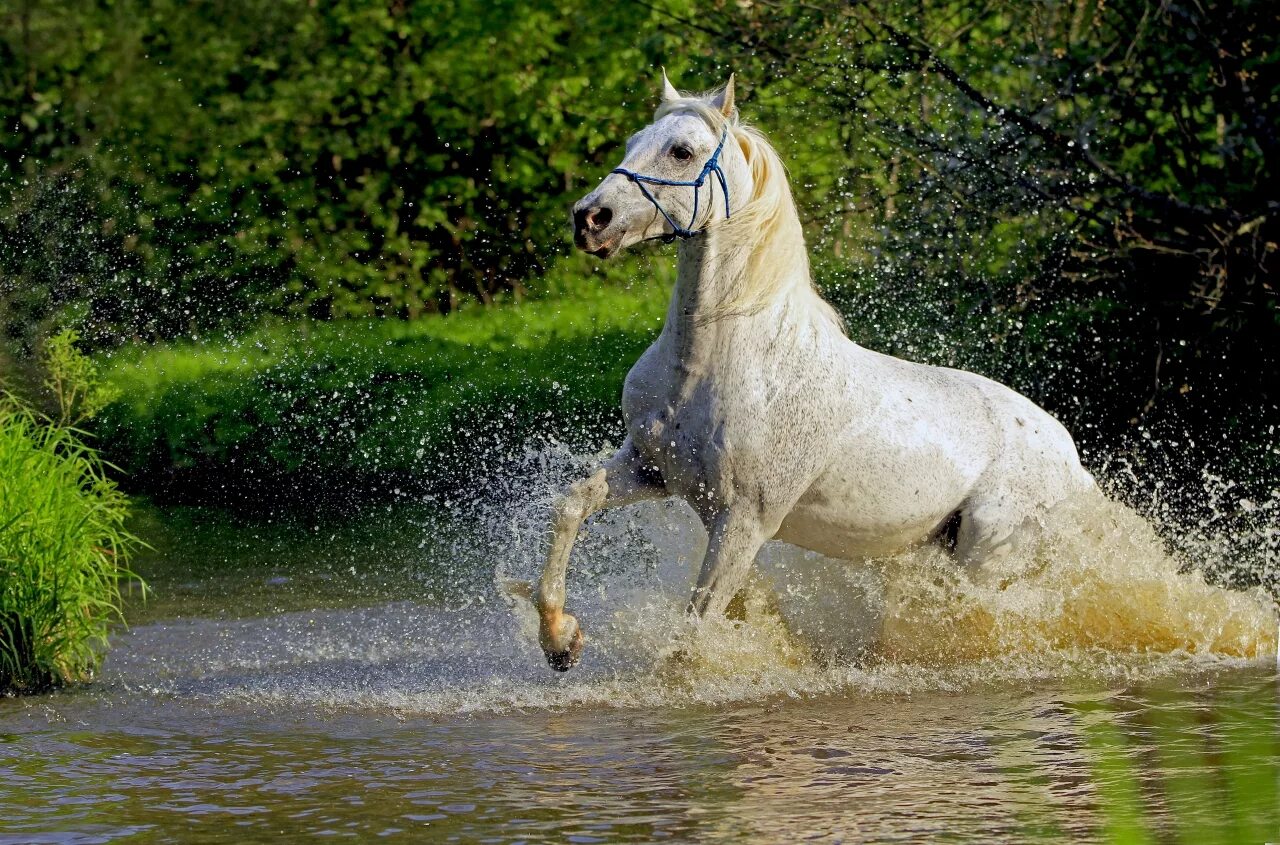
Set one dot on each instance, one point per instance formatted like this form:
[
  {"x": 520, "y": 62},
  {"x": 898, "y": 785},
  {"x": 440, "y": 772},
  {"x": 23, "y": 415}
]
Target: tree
[
  {"x": 1100, "y": 172},
  {"x": 173, "y": 166}
]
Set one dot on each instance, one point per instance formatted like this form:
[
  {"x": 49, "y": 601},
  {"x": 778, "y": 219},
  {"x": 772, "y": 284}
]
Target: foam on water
[{"x": 1097, "y": 596}]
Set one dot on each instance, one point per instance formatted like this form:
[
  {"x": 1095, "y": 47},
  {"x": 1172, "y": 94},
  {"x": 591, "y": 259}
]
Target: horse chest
[
  {"x": 680, "y": 441},
  {"x": 678, "y": 427}
]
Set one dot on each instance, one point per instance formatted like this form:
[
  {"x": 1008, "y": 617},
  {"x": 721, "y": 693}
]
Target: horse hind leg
[
  {"x": 980, "y": 534},
  {"x": 947, "y": 534}
]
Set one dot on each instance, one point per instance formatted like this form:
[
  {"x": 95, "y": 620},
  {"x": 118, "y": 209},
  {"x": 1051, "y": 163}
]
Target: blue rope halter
[{"x": 712, "y": 166}]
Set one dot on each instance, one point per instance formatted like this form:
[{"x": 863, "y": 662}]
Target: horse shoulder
[{"x": 645, "y": 386}]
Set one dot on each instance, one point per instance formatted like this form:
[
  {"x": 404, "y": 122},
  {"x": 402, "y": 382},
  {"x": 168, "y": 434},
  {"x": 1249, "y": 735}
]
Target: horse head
[{"x": 680, "y": 175}]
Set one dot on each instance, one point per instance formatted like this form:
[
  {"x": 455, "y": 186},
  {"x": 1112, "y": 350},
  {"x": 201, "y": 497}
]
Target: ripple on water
[{"x": 894, "y": 700}]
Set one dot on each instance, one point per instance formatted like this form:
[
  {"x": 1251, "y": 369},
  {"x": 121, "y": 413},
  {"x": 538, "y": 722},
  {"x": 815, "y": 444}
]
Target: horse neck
[
  {"x": 712, "y": 267},
  {"x": 708, "y": 271},
  {"x": 709, "y": 268}
]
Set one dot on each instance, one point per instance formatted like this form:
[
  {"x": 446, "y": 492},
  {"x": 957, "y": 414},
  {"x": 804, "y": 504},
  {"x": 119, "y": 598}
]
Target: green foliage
[
  {"x": 1152, "y": 766},
  {"x": 177, "y": 165},
  {"x": 63, "y": 544},
  {"x": 1094, "y": 176},
  {"x": 1073, "y": 197},
  {"x": 73, "y": 380},
  {"x": 346, "y": 408}
]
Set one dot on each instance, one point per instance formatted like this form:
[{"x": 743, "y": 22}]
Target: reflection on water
[
  {"x": 206, "y": 563},
  {"x": 1192, "y": 758},
  {"x": 290, "y": 682}
]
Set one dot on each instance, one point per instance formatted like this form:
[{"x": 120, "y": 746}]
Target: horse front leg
[
  {"x": 621, "y": 481},
  {"x": 733, "y": 540}
]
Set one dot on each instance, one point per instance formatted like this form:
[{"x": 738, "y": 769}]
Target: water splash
[
  {"x": 1099, "y": 596},
  {"x": 1099, "y": 576},
  {"x": 1099, "y": 580}
]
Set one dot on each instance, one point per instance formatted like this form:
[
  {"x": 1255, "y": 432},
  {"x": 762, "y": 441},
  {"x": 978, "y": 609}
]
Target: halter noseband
[{"x": 712, "y": 166}]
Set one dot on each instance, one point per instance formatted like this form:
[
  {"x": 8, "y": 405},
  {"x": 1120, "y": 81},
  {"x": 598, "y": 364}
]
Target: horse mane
[{"x": 767, "y": 225}]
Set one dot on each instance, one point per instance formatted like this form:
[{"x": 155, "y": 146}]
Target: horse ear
[
  {"x": 669, "y": 91},
  {"x": 724, "y": 100}
]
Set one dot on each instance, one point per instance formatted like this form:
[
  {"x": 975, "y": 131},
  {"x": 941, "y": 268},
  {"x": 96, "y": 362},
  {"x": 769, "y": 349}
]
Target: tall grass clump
[{"x": 63, "y": 543}]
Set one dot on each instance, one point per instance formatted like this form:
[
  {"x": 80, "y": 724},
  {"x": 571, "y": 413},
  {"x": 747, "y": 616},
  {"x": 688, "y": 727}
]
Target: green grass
[
  {"x": 63, "y": 550},
  {"x": 378, "y": 404}
]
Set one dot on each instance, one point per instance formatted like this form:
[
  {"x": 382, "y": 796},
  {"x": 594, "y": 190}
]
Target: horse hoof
[{"x": 563, "y": 661}]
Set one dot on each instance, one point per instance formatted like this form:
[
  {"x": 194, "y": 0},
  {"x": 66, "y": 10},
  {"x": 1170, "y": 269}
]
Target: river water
[{"x": 292, "y": 681}]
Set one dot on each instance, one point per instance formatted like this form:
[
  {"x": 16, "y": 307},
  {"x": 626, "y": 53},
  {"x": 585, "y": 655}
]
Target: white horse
[{"x": 753, "y": 405}]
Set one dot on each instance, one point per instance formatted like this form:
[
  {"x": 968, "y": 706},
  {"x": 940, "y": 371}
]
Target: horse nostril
[
  {"x": 593, "y": 219},
  {"x": 598, "y": 218}
]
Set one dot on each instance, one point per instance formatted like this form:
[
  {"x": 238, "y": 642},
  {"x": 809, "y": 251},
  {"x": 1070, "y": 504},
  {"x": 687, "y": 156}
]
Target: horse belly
[
  {"x": 873, "y": 510},
  {"x": 840, "y": 538}
]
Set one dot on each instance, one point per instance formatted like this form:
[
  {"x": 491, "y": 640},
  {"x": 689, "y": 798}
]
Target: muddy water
[{"x": 374, "y": 681}]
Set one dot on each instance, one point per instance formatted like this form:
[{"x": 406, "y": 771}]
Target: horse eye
[{"x": 681, "y": 153}]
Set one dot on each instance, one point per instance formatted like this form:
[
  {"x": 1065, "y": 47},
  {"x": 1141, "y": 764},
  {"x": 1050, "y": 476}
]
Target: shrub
[
  {"x": 63, "y": 543},
  {"x": 348, "y": 408},
  {"x": 194, "y": 164}
]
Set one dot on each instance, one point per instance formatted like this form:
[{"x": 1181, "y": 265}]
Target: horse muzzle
[{"x": 591, "y": 231}]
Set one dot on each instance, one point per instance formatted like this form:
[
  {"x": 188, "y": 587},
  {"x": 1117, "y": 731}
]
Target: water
[
  {"x": 1191, "y": 758},
  {"x": 293, "y": 681}
]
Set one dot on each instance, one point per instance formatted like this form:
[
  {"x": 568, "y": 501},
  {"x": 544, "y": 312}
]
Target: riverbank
[{"x": 325, "y": 410}]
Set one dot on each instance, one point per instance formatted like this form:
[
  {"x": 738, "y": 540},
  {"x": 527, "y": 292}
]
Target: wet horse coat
[{"x": 753, "y": 405}]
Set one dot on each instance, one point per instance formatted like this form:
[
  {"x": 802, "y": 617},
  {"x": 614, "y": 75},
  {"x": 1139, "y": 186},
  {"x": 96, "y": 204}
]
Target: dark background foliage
[
  {"x": 1074, "y": 196},
  {"x": 176, "y": 165},
  {"x": 1098, "y": 176}
]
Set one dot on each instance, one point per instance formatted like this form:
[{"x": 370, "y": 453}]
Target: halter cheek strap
[{"x": 712, "y": 166}]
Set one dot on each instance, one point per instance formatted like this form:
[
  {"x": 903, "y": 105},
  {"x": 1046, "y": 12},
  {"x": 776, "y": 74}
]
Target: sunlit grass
[
  {"x": 1117, "y": 781},
  {"x": 1173, "y": 772},
  {"x": 382, "y": 398}
]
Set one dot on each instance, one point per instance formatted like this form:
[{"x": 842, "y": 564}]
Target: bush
[
  {"x": 63, "y": 544},
  {"x": 171, "y": 166},
  {"x": 350, "y": 408}
]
